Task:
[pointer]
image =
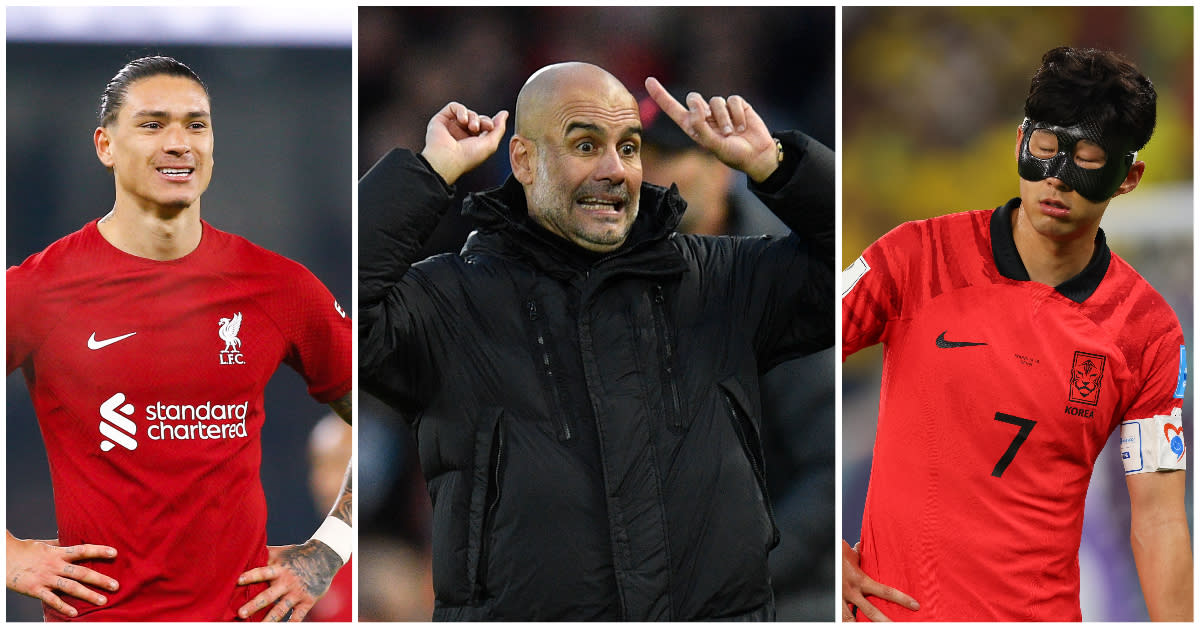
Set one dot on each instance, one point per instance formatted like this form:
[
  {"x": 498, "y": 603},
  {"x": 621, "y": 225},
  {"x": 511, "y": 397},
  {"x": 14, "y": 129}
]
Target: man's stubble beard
[{"x": 553, "y": 205}]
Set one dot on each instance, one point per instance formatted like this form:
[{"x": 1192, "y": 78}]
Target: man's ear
[
  {"x": 1020, "y": 136},
  {"x": 521, "y": 158},
  {"x": 103, "y": 143},
  {"x": 1132, "y": 178}
]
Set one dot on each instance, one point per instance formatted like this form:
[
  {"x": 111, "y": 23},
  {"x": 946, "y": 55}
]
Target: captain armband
[
  {"x": 1154, "y": 444},
  {"x": 338, "y": 535},
  {"x": 852, "y": 274}
]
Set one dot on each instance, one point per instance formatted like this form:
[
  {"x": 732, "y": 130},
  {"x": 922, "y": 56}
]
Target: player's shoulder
[
  {"x": 945, "y": 228},
  {"x": 241, "y": 252},
  {"x": 1144, "y": 304},
  {"x": 63, "y": 258}
]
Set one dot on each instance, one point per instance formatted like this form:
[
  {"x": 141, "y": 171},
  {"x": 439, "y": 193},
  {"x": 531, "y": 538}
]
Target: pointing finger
[{"x": 667, "y": 103}]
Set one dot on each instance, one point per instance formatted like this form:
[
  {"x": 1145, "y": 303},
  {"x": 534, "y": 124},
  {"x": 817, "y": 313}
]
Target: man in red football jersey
[
  {"x": 1015, "y": 343},
  {"x": 146, "y": 340}
]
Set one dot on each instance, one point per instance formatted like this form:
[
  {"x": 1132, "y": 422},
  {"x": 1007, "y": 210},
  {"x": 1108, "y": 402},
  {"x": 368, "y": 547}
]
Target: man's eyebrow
[
  {"x": 156, "y": 113},
  {"x": 594, "y": 128},
  {"x": 582, "y": 126}
]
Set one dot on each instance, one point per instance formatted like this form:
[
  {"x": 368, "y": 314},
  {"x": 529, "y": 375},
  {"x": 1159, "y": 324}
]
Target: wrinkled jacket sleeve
[
  {"x": 401, "y": 201},
  {"x": 794, "y": 275}
]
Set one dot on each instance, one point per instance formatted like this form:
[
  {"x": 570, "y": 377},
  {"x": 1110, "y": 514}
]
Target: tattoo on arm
[
  {"x": 344, "y": 407},
  {"x": 314, "y": 563}
]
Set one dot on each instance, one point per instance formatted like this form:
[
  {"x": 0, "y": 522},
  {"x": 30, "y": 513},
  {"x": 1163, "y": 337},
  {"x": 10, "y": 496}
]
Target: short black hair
[
  {"x": 145, "y": 67},
  {"x": 1074, "y": 85}
]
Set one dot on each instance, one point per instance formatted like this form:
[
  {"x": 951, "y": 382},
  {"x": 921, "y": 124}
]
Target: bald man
[{"x": 582, "y": 380}]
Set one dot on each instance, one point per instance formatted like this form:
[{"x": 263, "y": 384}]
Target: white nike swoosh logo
[{"x": 94, "y": 344}]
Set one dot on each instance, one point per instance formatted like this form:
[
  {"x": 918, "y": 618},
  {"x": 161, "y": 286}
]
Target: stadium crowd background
[
  {"x": 281, "y": 95},
  {"x": 932, "y": 98},
  {"x": 412, "y": 61}
]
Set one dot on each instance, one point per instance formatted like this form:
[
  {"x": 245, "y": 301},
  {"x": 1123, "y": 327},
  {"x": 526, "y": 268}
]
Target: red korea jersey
[
  {"x": 998, "y": 394},
  {"x": 147, "y": 378}
]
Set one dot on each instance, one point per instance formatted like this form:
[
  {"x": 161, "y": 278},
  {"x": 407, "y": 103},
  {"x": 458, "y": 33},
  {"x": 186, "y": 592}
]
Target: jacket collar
[
  {"x": 1008, "y": 260},
  {"x": 505, "y": 230}
]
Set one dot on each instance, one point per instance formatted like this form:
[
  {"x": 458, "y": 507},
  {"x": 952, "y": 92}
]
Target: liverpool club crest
[{"x": 228, "y": 331}]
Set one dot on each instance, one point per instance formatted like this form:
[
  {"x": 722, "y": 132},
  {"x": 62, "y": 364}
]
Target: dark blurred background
[
  {"x": 281, "y": 94},
  {"x": 412, "y": 61},
  {"x": 932, "y": 98}
]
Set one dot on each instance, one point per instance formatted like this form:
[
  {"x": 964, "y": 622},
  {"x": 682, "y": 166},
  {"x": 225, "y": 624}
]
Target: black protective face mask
[{"x": 1096, "y": 185}]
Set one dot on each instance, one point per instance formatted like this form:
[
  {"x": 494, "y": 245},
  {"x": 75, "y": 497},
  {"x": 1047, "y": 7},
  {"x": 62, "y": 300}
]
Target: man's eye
[
  {"x": 151, "y": 125},
  {"x": 629, "y": 150},
  {"x": 586, "y": 147},
  {"x": 198, "y": 125}
]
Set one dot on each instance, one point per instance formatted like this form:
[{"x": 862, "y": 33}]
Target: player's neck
[
  {"x": 1049, "y": 261},
  {"x": 156, "y": 235}
]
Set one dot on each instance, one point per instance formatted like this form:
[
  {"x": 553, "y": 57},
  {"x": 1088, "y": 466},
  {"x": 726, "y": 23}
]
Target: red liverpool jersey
[
  {"x": 998, "y": 394},
  {"x": 147, "y": 378}
]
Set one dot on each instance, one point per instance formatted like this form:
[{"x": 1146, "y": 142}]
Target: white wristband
[{"x": 338, "y": 535}]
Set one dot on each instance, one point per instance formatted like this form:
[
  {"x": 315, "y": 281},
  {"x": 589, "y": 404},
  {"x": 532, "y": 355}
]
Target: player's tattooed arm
[
  {"x": 300, "y": 574},
  {"x": 344, "y": 407},
  {"x": 46, "y": 571}
]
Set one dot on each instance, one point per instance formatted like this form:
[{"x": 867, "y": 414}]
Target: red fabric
[
  {"x": 184, "y": 507},
  {"x": 938, "y": 524}
]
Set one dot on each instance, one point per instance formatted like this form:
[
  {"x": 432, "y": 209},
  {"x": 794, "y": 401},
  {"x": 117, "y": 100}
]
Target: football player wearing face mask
[{"x": 1015, "y": 343}]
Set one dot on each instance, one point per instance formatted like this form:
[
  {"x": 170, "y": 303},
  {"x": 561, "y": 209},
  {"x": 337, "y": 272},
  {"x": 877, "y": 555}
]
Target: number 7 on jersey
[{"x": 1026, "y": 426}]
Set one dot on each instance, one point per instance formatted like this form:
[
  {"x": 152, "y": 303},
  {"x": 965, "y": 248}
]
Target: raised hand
[
  {"x": 44, "y": 570},
  {"x": 857, "y": 585},
  {"x": 298, "y": 576},
  {"x": 457, "y": 140},
  {"x": 728, "y": 128}
]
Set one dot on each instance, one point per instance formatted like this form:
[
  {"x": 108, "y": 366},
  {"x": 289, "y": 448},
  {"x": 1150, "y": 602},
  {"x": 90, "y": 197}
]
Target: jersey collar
[{"x": 1008, "y": 260}]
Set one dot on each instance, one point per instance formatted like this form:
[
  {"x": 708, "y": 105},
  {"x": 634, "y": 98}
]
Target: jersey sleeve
[
  {"x": 872, "y": 289},
  {"x": 1152, "y": 429},
  {"x": 17, "y": 316},
  {"x": 29, "y": 309},
  {"x": 319, "y": 336}
]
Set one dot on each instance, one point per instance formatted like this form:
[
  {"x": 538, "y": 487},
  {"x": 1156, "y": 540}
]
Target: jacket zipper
[
  {"x": 666, "y": 359},
  {"x": 485, "y": 542},
  {"x": 564, "y": 431},
  {"x": 759, "y": 476}
]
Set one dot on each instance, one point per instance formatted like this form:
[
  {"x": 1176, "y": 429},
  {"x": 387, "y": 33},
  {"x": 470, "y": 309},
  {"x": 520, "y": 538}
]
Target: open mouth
[
  {"x": 597, "y": 205},
  {"x": 176, "y": 173}
]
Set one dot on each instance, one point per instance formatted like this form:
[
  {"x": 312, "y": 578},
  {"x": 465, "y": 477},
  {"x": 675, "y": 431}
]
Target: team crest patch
[
  {"x": 1087, "y": 373},
  {"x": 228, "y": 331}
]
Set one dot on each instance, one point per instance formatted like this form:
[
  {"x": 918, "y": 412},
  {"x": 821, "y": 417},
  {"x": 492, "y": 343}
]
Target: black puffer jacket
[{"x": 589, "y": 430}]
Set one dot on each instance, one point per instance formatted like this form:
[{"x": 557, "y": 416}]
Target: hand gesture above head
[
  {"x": 728, "y": 127},
  {"x": 457, "y": 140}
]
